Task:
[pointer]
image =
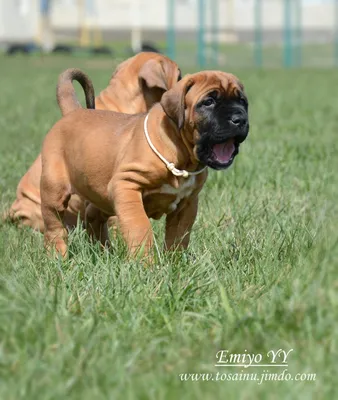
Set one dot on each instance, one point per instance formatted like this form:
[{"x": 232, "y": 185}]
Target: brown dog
[
  {"x": 136, "y": 85},
  {"x": 119, "y": 162}
]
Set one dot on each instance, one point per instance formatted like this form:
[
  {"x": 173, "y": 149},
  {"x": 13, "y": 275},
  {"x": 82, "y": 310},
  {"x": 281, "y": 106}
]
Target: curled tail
[{"x": 65, "y": 92}]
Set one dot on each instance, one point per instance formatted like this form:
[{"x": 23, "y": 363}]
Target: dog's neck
[{"x": 171, "y": 142}]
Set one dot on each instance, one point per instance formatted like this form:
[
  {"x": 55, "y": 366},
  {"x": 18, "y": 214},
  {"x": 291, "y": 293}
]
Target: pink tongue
[{"x": 224, "y": 151}]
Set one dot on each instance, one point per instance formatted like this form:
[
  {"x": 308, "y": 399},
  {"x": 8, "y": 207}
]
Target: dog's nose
[{"x": 238, "y": 120}]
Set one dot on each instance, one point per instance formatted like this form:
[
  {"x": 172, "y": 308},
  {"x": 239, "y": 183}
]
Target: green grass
[{"x": 261, "y": 272}]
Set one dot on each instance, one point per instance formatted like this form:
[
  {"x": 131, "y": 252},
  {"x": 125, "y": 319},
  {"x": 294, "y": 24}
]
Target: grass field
[{"x": 261, "y": 273}]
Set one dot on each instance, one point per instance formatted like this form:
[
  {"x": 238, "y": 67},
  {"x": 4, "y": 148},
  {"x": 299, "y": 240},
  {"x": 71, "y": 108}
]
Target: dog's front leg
[
  {"x": 133, "y": 221},
  {"x": 179, "y": 224}
]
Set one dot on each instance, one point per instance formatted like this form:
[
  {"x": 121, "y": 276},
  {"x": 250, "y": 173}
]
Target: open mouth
[{"x": 223, "y": 154}]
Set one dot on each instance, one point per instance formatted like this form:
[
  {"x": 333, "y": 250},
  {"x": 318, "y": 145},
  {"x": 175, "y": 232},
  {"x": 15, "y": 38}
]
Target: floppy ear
[
  {"x": 152, "y": 74},
  {"x": 173, "y": 101}
]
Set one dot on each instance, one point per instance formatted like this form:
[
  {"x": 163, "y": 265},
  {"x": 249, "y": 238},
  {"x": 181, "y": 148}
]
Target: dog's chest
[
  {"x": 166, "y": 198},
  {"x": 183, "y": 191}
]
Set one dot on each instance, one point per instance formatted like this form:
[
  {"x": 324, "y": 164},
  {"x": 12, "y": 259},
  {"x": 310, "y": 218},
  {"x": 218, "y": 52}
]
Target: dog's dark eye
[
  {"x": 208, "y": 102},
  {"x": 243, "y": 101}
]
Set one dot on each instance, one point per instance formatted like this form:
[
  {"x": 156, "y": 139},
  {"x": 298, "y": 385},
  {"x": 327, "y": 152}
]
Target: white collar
[{"x": 171, "y": 166}]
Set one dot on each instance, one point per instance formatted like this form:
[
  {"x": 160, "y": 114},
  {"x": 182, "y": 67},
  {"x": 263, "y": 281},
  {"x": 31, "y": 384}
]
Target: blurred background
[{"x": 205, "y": 33}]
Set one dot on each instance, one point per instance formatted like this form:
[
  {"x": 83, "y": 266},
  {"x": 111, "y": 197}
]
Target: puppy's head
[
  {"x": 156, "y": 74},
  {"x": 210, "y": 110},
  {"x": 143, "y": 80}
]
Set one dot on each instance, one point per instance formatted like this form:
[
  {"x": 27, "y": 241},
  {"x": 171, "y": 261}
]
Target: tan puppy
[
  {"x": 107, "y": 158},
  {"x": 136, "y": 85}
]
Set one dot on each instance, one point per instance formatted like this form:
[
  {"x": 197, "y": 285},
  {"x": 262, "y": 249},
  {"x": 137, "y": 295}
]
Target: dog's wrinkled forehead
[{"x": 210, "y": 81}]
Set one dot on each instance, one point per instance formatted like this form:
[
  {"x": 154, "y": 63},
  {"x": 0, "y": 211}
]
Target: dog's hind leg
[
  {"x": 113, "y": 224},
  {"x": 55, "y": 195},
  {"x": 96, "y": 225}
]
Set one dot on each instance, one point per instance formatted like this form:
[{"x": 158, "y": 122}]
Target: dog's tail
[{"x": 65, "y": 92}]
